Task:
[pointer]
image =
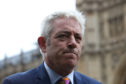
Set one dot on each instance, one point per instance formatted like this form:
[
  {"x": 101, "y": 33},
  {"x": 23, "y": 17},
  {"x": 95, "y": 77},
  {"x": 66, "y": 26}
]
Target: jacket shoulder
[
  {"x": 21, "y": 78},
  {"x": 85, "y": 79}
]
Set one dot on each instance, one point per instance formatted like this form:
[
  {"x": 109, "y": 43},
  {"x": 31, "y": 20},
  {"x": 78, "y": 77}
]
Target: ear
[{"x": 42, "y": 43}]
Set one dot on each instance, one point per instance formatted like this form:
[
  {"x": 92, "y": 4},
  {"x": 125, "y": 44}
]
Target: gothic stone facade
[{"x": 105, "y": 38}]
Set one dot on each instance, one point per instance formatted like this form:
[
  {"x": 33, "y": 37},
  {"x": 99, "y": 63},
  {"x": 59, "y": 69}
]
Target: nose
[{"x": 72, "y": 43}]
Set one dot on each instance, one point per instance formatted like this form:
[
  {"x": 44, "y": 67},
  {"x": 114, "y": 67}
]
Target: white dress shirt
[{"x": 54, "y": 77}]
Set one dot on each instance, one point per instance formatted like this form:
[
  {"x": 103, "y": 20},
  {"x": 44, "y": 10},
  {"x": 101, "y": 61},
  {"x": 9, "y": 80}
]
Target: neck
[{"x": 63, "y": 71}]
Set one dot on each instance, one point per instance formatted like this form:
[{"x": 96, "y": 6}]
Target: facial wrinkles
[
  {"x": 68, "y": 21},
  {"x": 71, "y": 21},
  {"x": 61, "y": 53},
  {"x": 74, "y": 51},
  {"x": 69, "y": 24}
]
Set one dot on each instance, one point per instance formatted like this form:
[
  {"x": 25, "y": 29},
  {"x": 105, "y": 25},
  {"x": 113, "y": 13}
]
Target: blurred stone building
[
  {"x": 19, "y": 63},
  {"x": 105, "y": 38},
  {"x": 104, "y": 44}
]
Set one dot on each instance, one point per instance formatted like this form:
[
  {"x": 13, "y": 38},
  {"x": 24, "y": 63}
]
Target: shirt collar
[{"x": 55, "y": 77}]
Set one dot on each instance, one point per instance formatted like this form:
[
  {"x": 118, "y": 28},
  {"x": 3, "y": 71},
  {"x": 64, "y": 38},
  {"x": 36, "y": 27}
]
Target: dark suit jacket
[{"x": 40, "y": 76}]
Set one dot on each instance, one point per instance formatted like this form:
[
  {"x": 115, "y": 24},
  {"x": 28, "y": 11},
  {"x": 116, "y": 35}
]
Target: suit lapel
[
  {"x": 78, "y": 79},
  {"x": 42, "y": 76}
]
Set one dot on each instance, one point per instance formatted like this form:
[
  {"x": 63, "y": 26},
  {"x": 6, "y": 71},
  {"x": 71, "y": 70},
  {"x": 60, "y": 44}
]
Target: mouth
[{"x": 69, "y": 53}]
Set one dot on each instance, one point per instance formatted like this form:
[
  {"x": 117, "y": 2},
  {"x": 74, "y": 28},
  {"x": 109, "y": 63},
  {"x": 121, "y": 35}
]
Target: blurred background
[{"x": 104, "y": 51}]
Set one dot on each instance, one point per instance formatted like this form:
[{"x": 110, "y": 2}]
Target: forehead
[
  {"x": 65, "y": 20},
  {"x": 64, "y": 23}
]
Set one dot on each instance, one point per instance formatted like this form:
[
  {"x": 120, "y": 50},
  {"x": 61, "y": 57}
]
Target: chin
[{"x": 71, "y": 64}]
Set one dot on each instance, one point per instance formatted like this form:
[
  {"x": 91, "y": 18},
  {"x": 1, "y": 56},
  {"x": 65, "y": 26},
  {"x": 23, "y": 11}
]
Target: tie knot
[{"x": 64, "y": 80}]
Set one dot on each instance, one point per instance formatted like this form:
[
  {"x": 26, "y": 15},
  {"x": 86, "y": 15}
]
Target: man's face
[{"x": 64, "y": 47}]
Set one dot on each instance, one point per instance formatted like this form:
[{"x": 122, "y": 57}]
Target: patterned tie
[{"x": 64, "y": 80}]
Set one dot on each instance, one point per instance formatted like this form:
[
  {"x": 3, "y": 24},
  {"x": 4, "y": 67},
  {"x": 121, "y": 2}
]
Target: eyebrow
[
  {"x": 67, "y": 32},
  {"x": 63, "y": 32}
]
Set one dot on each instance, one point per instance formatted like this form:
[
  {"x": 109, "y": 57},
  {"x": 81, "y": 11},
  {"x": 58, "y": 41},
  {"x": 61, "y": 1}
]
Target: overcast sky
[{"x": 20, "y": 22}]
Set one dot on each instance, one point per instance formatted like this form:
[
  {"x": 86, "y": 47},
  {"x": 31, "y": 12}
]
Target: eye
[
  {"x": 78, "y": 38},
  {"x": 62, "y": 36}
]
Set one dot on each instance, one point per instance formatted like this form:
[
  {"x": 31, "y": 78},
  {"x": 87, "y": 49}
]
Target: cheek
[
  {"x": 79, "y": 47},
  {"x": 56, "y": 48},
  {"x": 79, "y": 50},
  {"x": 59, "y": 45}
]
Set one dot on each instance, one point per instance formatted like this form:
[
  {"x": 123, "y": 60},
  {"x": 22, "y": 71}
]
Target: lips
[{"x": 74, "y": 51}]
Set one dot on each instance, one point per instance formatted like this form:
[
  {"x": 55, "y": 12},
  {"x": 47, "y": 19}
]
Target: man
[{"x": 60, "y": 44}]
